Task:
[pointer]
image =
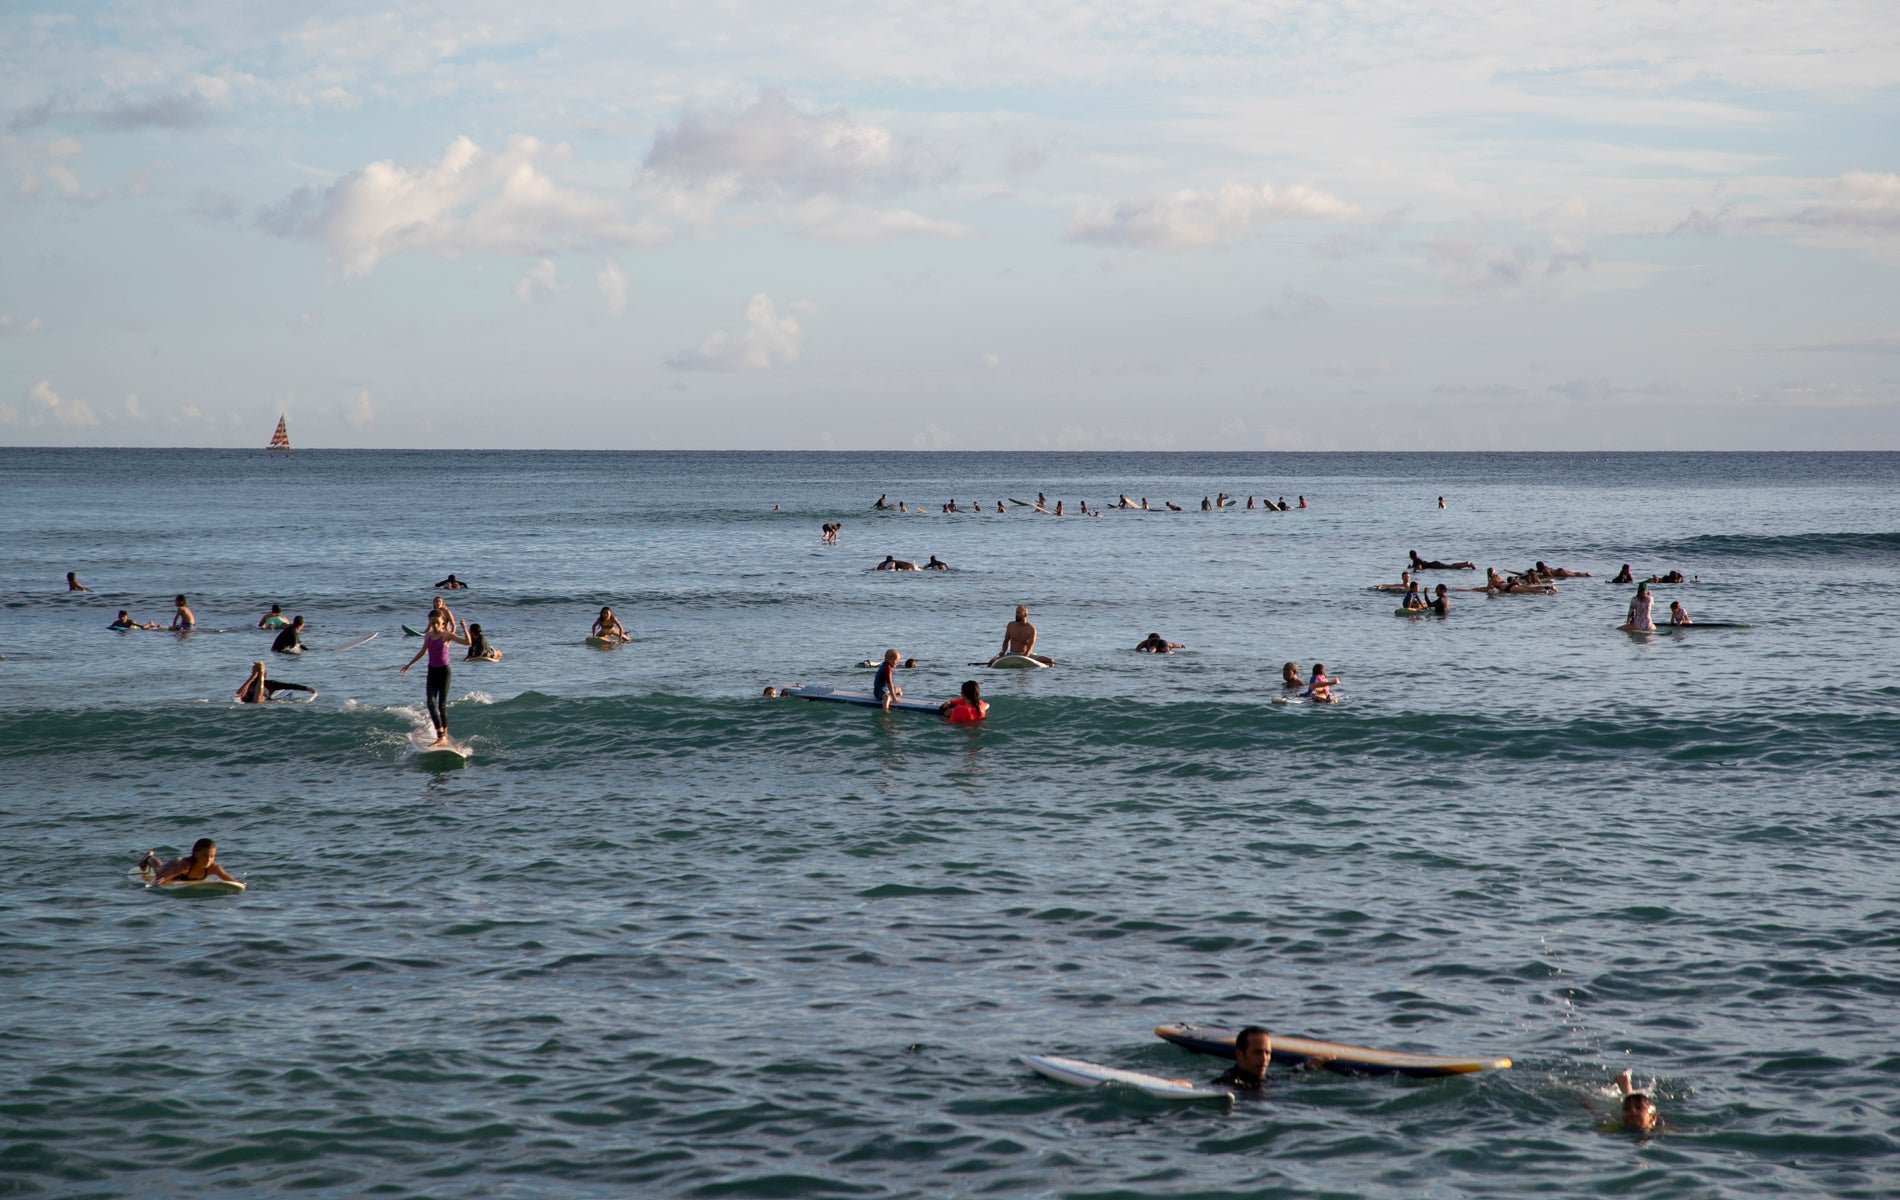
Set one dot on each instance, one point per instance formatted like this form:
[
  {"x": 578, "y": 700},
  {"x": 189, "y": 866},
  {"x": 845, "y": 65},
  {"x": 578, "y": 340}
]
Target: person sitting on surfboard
[
  {"x": 1423, "y": 564},
  {"x": 73, "y": 584},
  {"x": 884, "y": 689},
  {"x": 199, "y": 865},
  {"x": 274, "y": 619},
  {"x": 124, "y": 622},
  {"x": 1678, "y": 615},
  {"x": 607, "y": 628},
  {"x": 451, "y": 583},
  {"x": 1412, "y": 599},
  {"x": 256, "y": 688},
  {"x": 1623, "y": 576},
  {"x": 1290, "y": 676},
  {"x": 1640, "y": 620},
  {"x": 1019, "y": 637},
  {"x": 1154, "y": 643},
  {"x": 182, "y": 620},
  {"x": 1319, "y": 680},
  {"x": 966, "y": 708},
  {"x": 290, "y": 641},
  {"x": 478, "y": 647}
]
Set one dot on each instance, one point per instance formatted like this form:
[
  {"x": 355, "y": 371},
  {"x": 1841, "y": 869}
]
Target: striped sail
[{"x": 281, "y": 439}]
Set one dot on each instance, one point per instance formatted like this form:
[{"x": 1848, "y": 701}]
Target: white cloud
[
  {"x": 844, "y": 224},
  {"x": 470, "y": 201},
  {"x": 992, "y": 361},
  {"x": 933, "y": 437},
  {"x": 132, "y": 407},
  {"x": 771, "y": 151},
  {"x": 36, "y": 164},
  {"x": 1861, "y": 202},
  {"x": 9, "y": 325},
  {"x": 1190, "y": 220},
  {"x": 541, "y": 280},
  {"x": 769, "y": 340},
  {"x": 358, "y": 412},
  {"x": 613, "y": 287},
  {"x": 44, "y": 404}
]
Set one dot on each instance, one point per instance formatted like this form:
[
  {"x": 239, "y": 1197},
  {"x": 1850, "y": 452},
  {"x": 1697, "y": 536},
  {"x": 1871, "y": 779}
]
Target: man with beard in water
[{"x": 1253, "y": 1051}]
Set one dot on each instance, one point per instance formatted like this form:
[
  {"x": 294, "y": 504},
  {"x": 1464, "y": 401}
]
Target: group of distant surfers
[{"x": 1218, "y": 503}]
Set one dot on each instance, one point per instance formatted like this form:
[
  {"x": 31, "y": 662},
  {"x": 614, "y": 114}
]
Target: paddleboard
[
  {"x": 906, "y": 703},
  {"x": 452, "y": 754},
  {"x": 601, "y": 643},
  {"x": 1672, "y": 626},
  {"x": 408, "y": 632},
  {"x": 1016, "y": 662},
  {"x": 1347, "y": 1060},
  {"x": 1087, "y": 1074},
  {"x": 353, "y": 645}
]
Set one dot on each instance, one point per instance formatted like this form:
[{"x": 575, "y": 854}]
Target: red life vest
[{"x": 963, "y": 712}]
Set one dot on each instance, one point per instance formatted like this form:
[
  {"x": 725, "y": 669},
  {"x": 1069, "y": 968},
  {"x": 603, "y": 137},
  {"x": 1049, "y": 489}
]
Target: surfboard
[
  {"x": 452, "y": 754},
  {"x": 290, "y": 696},
  {"x": 408, "y": 632},
  {"x": 601, "y": 643},
  {"x": 1087, "y": 1074},
  {"x": 1672, "y": 626},
  {"x": 212, "y": 886},
  {"x": 1016, "y": 662},
  {"x": 906, "y": 703},
  {"x": 1346, "y": 1060},
  {"x": 297, "y": 649},
  {"x": 491, "y": 655},
  {"x": 353, "y": 645}
]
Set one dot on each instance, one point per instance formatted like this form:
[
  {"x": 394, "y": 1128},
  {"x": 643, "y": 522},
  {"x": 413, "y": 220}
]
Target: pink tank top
[{"x": 438, "y": 648}]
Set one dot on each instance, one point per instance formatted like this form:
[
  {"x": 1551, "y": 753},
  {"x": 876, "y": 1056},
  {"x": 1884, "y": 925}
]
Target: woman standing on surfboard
[{"x": 435, "y": 644}]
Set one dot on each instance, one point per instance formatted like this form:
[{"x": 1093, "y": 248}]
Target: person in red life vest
[{"x": 968, "y": 707}]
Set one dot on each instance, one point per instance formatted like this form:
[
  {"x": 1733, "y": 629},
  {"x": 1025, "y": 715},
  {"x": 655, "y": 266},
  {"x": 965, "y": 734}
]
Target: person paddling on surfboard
[
  {"x": 274, "y": 619},
  {"x": 1432, "y": 564},
  {"x": 435, "y": 644},
  {"x": 256, "y": 688},
  {"x": 1019, "y": 637},
  {"x": 451, "y": 583},
  {"x": 124, "y": 622},
  {"x": 1154, "y": 643},
  {"x": 884, "y": 689},
  {"x": 199, "y": 865}
]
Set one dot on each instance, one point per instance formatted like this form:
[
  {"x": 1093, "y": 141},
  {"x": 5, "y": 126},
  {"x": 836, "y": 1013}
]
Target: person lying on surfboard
[
  {"x": 1154, "y": 643},
  {"x": 199, "y": 865},
  {"x": 936, "y": 564},
  {"x": 1544, "y": 572},
  {"x": 607, "y": 627},
  {"x": 124, "y": 622},
  {"x": 256, "y": 688},
  {"x": 1432, "y": 564},
  {"x": 478, "y": 647},
  {"x": 451, "y": 583},
  {"x": 1019, "y": 637},
  {"x": 1623, "y": 576}
]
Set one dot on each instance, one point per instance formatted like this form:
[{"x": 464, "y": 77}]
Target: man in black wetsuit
[
  {"x": 1253, "y": 1050},
  {"x": 290, "y": 641}
]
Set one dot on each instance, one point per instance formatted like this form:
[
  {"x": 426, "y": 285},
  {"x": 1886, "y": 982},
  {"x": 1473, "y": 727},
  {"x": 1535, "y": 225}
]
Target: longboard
[
  {"x": 408, "y": 632},
  {"x": 906, "y": 703},
  {"x": 1087, "y": 1074},
  {"x": 453, "y": 753},
  {"x": 1347, "y": 1060},
  {"x": 1672, "y": 626},
  {"x": 211, "y": 886},
  {"x": 353, "y": 645}
]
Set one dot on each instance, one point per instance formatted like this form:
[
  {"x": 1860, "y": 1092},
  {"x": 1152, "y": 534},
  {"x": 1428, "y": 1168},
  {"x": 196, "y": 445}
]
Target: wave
[
  {"x": 1784, "y": 546},
  {"x": 534, "y": 731}
]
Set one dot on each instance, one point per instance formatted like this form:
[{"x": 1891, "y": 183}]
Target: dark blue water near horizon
[{"x": 662, "y": 936}]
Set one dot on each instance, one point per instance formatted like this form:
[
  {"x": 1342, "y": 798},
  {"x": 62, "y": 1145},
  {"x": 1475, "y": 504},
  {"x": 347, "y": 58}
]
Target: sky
[{"x": 952, "y": 224}]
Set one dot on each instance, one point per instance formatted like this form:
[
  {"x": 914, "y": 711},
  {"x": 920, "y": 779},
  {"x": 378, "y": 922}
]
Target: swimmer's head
[
  {"x": 910, "y": 662},
  {"x": 771, "y": 693},
  {"x": 1253, "y": 1049},
  {"x": 1441, "y": 589},
  {"x": 1639, "y": 1112}
]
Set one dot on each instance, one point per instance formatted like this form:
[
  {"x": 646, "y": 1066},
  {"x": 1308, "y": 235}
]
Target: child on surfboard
[{"x": 884, "y": 689}]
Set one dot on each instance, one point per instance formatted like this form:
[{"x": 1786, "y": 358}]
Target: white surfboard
[
  {"x": 1017, "y": 662},
  {"x": 1087, "y": 1074},
  {"x": 353, "y": 645},
  {"x": 210, "y": 886},
  {"x": 448, "y": 754}
]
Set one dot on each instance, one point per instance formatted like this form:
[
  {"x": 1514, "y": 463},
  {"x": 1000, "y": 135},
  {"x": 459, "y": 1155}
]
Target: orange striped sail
[{"x": 281, "y": 439}]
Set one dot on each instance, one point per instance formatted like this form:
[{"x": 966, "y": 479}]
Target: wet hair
[
  {"x": 298, "y": 620},
  {"x": 1240, "y": 1039},
  {"x": 203, "y": 844},
  {"x": 972, "y": 692},
  {"x": 1154, "y": 637},
  {"x": 475, "y": 629},
  {"x": 771, "y": 693},
  {"x": 606, "y": 610},
  {"x": 277, "y": 608},
  {"x": 910, "y": 662},
  {"x": 178, "y": 600},
  {"x": 1319, "y": 668}
]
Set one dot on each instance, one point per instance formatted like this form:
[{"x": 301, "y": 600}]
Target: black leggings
[{"x": 438, "y": 696}]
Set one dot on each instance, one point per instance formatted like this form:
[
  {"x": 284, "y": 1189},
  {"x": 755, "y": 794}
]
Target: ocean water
[{"x": 662, "y": 936}]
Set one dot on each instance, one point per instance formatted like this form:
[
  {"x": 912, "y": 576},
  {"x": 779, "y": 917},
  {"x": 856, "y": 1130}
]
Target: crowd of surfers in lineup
[{"x": 1253, "y": 1045}]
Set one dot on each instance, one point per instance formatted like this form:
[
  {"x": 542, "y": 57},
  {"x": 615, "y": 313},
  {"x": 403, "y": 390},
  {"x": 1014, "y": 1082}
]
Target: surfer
[
  {"x": 256, "y": 688},
  {"x": 1441, "y": 502},
  {"x": 828, "y": 534},
  {"x": 1172, "y": 506},
  {"x": 1441, "y": 606},
  {"x": 967, "y": 708},
  {"x": 936, "y": 564},
  {"x": 1302, "y": 501},
  {"x": 1154, "y": 643},
  {"x": 1640, "y": 620},
  {"x": 1412, "y": 599},
  {"x": 274, "y": 619},
  {"x": 607, "y": 628},
  {"x": 182, "y": 620},
  {"x": 1290, "y": 676},
  {"x": 123, "y": 622},
  {"x": 1253, "y": 1050},
  {"x": 881, "y": 505},
  {"x": 1623, "y": 576},
  {"x": 437, "y": 607},
  {"x": 478, "y": 647},
  {"x": 290, "y": 641},
  {"x": 435, "y": 644},
  {"x": 1319, "y": 680},
  {"x": 1019, "y": 637},
  {"x": 1559, "y": 572},
  {"x": 1672, "y": 577},
  {"x": 1678, "y": 615},
  {"x": 452, "y": 583},
  {"x": 199, "y": 865},
  {"x": 1422, "y": 564},
  {"x": 73, "y": 584},
  {"x": 1404, "y": 584},
  {"x": 884, "y": 689},
  {"x": 1206, "y": 504}
]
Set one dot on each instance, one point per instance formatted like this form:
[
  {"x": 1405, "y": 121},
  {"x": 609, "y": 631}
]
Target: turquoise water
[{"x": 662, "y": 936}]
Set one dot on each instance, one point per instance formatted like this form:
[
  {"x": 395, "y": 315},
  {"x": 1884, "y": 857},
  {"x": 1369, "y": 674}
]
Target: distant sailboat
[{"x": 281, "y": 439}]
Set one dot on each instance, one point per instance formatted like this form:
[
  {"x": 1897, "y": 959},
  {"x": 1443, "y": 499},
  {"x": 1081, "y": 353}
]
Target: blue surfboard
[{"x": 907, "y": 703}]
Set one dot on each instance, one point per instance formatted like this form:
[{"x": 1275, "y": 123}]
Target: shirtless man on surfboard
[{"x": 1019, "y": 637}]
